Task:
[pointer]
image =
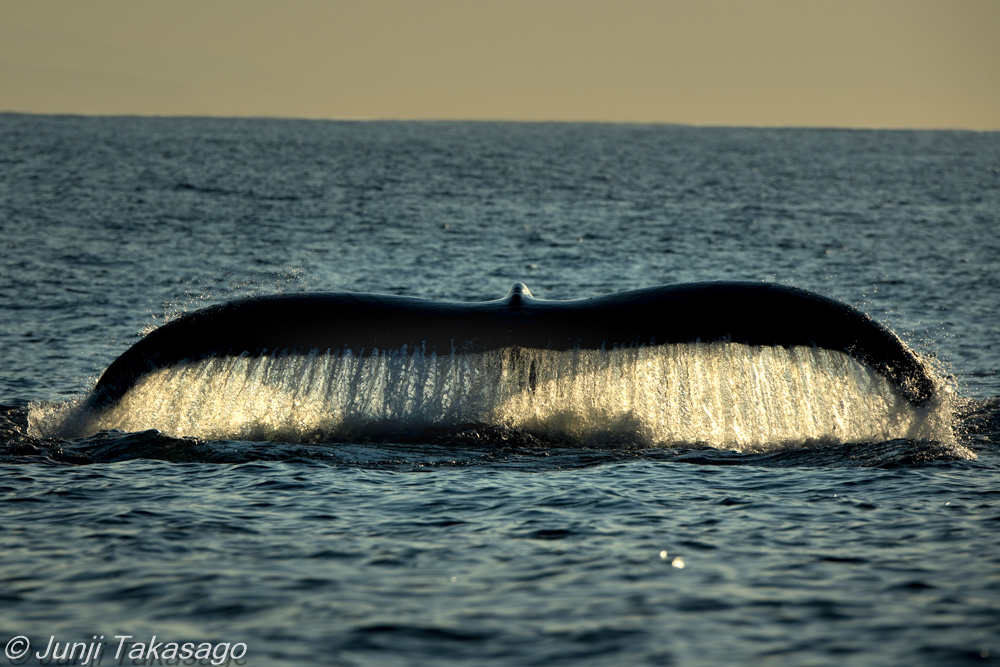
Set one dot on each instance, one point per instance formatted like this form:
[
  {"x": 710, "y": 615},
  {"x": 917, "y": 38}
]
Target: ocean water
[{"x": 588, "y": 521}]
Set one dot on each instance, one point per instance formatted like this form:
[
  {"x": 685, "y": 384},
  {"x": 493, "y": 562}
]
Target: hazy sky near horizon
[{"x": 849, "y": 63}]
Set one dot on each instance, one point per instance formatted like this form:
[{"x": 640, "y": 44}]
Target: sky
[{"x": 843, "y": 63}]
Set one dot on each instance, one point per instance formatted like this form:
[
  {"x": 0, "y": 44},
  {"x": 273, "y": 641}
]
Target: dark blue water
[{"x": 490, "y": 545}]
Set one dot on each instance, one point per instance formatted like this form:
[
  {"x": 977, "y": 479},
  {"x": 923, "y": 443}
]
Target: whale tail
[
  {"x": 732, "y": 364},
  {"x": 755, "y": 314}
]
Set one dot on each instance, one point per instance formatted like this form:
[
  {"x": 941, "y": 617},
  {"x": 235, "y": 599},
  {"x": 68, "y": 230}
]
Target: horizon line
[{"x": 524, "y": 121}]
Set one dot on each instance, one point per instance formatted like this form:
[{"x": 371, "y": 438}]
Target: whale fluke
[{"x": 755, "y": 314}]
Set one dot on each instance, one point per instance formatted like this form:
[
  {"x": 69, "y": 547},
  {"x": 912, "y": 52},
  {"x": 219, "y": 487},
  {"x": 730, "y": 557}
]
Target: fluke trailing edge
[{"x": 364, "y": 324}]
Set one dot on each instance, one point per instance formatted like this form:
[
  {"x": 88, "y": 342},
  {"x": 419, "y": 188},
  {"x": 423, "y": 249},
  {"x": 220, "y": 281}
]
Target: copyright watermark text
[{"x": 123, "y": 650}]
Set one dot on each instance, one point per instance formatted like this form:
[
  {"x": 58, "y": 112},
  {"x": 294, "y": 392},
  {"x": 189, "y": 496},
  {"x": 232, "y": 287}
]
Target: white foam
[{"x": 725, "y": 395}]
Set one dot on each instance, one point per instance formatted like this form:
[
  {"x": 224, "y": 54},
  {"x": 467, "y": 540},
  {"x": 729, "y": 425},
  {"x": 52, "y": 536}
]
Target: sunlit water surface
[{"x": 580, "y": 507}]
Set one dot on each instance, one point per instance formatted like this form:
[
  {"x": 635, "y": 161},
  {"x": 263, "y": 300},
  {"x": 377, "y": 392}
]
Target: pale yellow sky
[{"x": 843, "y": 63}]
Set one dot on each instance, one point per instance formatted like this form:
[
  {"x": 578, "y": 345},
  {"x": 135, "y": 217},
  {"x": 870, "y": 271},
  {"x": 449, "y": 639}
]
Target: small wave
[{"x": 243, "y": 194}]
